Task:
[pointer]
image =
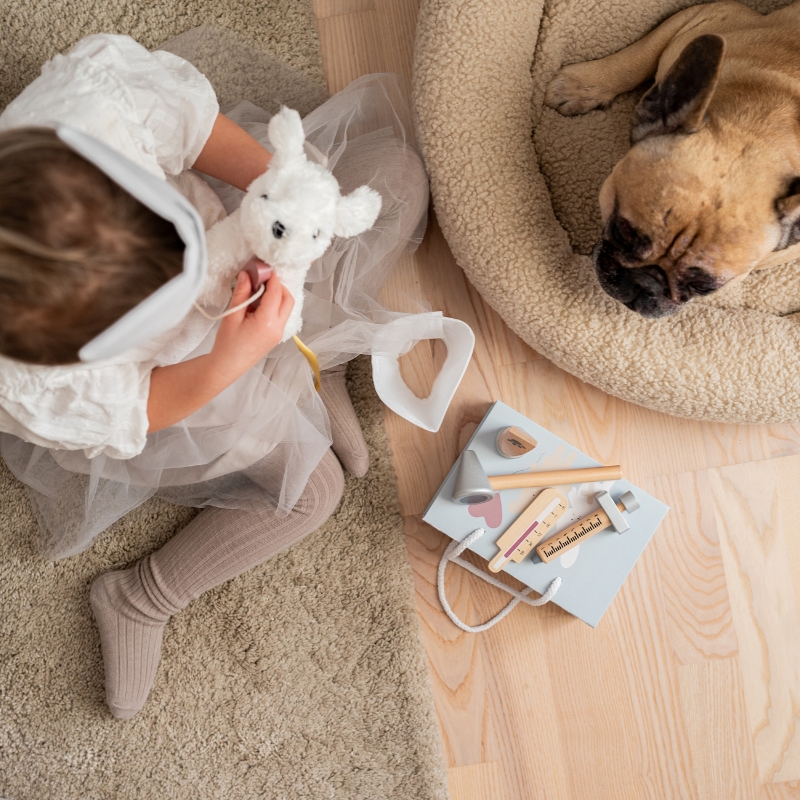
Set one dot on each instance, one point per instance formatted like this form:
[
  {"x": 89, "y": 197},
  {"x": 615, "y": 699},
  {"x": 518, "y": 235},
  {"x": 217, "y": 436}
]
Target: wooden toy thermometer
[{"x": 530, "y": 527}]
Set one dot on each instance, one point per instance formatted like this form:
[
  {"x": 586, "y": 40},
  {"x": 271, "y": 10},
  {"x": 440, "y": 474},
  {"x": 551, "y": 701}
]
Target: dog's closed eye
[
  {"x": 788, "y": 205},
  {"x": 264, "y": 197},
  {"x": 626, "y": 238},
  {"x": 788, "y": 209},
  {"x": 699, "y": 281},
  {"x": 622, "y": 232}
]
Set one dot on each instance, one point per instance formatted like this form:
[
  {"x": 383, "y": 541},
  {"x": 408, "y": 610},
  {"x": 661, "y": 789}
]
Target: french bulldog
[{"x": 710, "y": 188}]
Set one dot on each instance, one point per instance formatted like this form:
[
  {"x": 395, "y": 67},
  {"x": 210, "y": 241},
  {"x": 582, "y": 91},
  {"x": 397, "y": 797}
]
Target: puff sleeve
[
  {"x": 155, "y": 108},
  {"x": 100, "y": 409}
]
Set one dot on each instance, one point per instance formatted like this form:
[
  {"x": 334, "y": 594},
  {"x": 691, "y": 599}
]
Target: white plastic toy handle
[{"x": 398, "y": 337}]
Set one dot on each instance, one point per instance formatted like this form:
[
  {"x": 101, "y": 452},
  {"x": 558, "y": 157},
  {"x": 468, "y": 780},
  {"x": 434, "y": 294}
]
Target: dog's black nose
[
  {"x": 643, "y": 289},
  {"x": 651, "y": 279},
  {"x": 278, "y": 229}
]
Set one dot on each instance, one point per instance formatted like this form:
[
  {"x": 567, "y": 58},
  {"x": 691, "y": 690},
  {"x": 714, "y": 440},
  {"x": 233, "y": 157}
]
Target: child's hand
[{"x": 245, "y": 337}]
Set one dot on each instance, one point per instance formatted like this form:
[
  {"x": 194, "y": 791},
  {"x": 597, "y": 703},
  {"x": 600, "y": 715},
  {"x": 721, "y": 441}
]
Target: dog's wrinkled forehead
[
  {"x": 656, "y": 183},
  {"x": 705, "y": 198}
]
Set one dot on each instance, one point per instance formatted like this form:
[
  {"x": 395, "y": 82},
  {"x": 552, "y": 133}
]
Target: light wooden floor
[{"x": 690, "y": 685}]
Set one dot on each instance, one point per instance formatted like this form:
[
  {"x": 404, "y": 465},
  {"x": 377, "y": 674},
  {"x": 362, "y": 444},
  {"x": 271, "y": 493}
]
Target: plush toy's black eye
[
  {"x": 316, "y": 233},
  {"x": 264, "y": 197}
]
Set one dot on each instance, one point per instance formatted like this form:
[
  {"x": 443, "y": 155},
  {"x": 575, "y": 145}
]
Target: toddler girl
[{"x": 209, "y": 414}]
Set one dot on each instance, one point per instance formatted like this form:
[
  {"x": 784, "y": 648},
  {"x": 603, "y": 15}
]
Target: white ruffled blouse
[{"x": 157, "y": 110}]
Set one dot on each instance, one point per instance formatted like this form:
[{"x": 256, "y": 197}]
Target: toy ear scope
[{"x": 169, "y": 304}]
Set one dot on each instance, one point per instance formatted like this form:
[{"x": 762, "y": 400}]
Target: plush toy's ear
[
  {"x": 286, "y": 134},
  {"x": 357, "y": 211}
]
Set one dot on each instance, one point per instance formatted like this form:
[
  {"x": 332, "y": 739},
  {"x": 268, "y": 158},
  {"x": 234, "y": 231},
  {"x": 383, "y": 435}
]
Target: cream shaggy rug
[
  {"x": 304, "y": 678},
  {"x": 35, "y": 30},
  {"x": 520, "y": 212}
]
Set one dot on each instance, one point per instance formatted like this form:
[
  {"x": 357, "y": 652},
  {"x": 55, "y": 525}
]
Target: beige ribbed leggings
[{"x": 132, "y": 606}]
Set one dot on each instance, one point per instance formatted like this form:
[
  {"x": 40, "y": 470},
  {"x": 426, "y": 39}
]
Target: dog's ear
[
  {"x": 678, "y": 104},
  {"x": 788, "y": 208}
]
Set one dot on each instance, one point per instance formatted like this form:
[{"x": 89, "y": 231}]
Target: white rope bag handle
[{"x": 452, "y": 553}]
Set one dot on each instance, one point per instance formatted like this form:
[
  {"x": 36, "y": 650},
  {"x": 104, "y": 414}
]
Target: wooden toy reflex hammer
[{"x": 472, "y": 485}]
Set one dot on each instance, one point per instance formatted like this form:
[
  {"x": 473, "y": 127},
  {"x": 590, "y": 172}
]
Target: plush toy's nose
[{"x": 278, "y": 229}]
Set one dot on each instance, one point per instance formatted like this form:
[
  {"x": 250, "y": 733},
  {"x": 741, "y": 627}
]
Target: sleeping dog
[{"x": 711, "y": 185}]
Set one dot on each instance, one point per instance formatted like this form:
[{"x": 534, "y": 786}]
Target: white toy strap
[{"x": 452, "y": 553}]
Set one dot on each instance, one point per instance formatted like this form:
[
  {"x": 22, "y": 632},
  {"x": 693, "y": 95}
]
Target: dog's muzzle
[{"x": 642, "y": 289}]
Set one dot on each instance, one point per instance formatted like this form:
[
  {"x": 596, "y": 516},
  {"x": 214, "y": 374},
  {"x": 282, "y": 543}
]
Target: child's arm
[
  {"x": 243, "y": 339},
  {"x": 232, "y": 155}
]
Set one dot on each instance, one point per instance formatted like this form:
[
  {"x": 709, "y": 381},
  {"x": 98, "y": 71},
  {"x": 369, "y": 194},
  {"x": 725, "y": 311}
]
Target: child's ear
[
  {"x": 357, "y": 211},
  {"x": 285, "y": 131}
]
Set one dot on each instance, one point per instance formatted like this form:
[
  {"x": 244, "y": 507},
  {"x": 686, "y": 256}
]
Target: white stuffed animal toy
[{"x": 287, "y": 218}]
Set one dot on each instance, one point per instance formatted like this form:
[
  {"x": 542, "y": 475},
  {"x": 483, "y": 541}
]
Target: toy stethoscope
[{"x": 174, "y": 300}]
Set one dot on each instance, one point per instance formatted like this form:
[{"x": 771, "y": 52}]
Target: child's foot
[
  {"x": 348, "y": 440},
  {"x": 131, "y": 627}
]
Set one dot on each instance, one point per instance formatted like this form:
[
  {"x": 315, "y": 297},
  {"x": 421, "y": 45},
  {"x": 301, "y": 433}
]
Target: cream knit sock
[
  {"x": 132, "y": 606},
  {"x": 348, "y": 440},
  {"x": 131, "y": 624}
]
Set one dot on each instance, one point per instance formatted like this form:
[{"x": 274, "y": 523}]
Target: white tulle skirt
[{"x": 260, "y": 439}]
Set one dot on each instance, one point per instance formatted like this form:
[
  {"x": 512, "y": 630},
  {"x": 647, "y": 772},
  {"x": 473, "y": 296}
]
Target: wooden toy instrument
[
  {"x": 530, "y": 527},
  {"x": 608, "y": 516}
]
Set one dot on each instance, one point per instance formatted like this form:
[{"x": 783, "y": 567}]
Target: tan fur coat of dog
[{"x": 711, "y": 186}]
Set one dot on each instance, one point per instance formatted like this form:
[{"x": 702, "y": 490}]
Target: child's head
[{"x": 76, "y": 250}]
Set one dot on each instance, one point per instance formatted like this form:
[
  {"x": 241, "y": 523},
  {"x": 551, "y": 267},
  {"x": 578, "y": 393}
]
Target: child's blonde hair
[{"x": 76, "y": 250}]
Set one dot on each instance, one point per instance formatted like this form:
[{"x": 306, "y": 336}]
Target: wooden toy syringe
[{"x": 608, "y": 516}]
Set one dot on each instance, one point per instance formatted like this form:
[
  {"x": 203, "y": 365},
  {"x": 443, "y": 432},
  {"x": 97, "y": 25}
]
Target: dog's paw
[{"x": 571, "y": 91}]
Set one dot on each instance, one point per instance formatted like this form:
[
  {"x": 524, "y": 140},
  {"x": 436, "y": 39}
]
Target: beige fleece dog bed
[{"x": 520, "y": 212}]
